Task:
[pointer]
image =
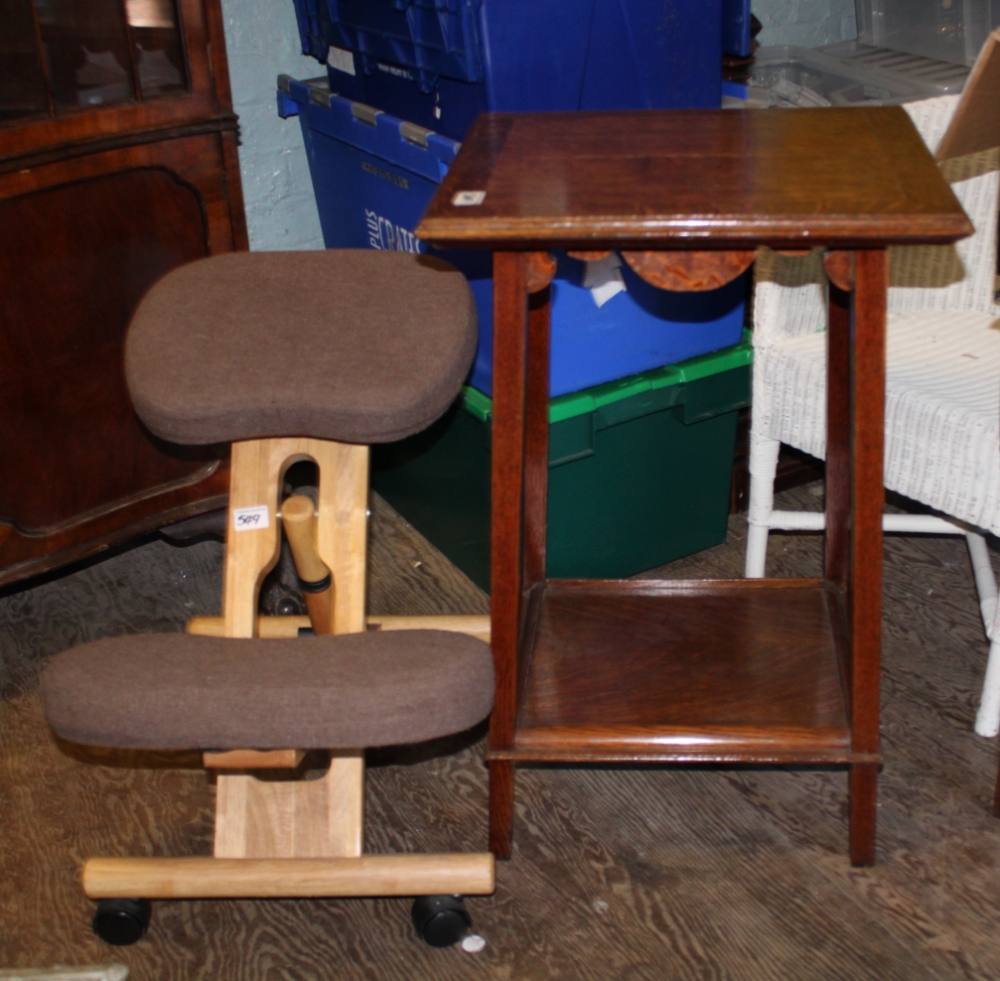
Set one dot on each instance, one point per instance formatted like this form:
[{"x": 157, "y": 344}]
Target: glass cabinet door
[
  {"x": 22, "y": 81},
  {"x": 159, "y": 56},
  {"x": 61, "y": 56}
]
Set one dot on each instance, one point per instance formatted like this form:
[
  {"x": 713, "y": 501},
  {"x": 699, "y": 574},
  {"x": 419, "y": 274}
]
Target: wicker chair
[{"x": 943, "y": 369}]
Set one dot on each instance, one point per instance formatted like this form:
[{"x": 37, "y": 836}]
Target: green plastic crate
[{"x": 639, "y": 471}]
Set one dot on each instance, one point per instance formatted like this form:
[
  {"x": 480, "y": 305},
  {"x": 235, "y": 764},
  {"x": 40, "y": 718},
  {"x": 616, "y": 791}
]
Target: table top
[{"x": 839, "y": 177}]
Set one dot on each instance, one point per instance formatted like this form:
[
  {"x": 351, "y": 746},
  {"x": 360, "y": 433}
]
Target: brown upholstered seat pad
[
  {"x": 178, "y": 691},
  {"x": 355, "y": 345}
]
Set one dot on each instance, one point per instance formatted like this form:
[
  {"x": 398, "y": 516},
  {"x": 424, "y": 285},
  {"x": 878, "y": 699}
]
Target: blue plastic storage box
[
  {"x": 736, "y": 38},
  {"x": 640, "y": 471},
  {"x": 374, "y": 176},
  {"x": 439, "y": 63}
]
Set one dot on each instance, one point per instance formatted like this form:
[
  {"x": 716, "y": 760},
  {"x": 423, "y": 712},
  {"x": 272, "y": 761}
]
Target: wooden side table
[{"x": 745, "y": 671}]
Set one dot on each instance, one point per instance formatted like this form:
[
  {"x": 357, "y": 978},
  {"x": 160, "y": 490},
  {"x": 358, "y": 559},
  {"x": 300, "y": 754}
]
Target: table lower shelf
[{"x": 650, "y": 670}]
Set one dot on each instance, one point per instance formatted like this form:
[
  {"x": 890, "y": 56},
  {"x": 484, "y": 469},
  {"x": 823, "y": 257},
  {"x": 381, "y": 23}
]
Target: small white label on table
[
  {"x": 466, "y": 198},
  {"x": 252, "y": 518},
  {"x": 340, "y": 59}
]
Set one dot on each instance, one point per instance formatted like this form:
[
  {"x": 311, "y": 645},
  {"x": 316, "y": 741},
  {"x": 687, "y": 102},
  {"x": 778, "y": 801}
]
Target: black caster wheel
[
  {"x": 441, "y": 920},
  {"x": 288, "y": 606},
  {"x": 121, "y": 922}
]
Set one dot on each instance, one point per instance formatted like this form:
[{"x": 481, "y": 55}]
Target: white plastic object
[{"x": 944, "y": 31}]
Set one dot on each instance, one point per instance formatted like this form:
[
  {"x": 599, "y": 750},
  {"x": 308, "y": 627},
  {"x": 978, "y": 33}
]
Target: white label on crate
[
  {"x": 466, "y": 198},
  {"x": 252, "y": 518},
  {"x": 341, "y": 59}
]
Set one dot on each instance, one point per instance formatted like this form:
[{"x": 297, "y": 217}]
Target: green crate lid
[{"x": 589, "y": 400}]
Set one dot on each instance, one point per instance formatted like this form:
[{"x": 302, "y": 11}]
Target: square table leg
[
  {"x": 510, "y": 314},
  {"x": 865, "y": 557},
  {"x": 536, "y": 439},
  {"x": 838, "y": 435}
]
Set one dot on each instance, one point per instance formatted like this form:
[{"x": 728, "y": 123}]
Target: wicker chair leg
[
  {"x": 763, "y": 467},
  {"x": 988, "y": 716}
]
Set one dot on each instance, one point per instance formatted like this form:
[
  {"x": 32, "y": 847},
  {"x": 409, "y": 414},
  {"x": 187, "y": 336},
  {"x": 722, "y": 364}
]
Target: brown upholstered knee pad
[
  {"x": 353, "y": 345},
  {"x": 178, "y": 691}
]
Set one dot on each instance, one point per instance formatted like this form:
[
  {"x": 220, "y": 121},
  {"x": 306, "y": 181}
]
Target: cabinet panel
[{"x": 70, "y": 443}]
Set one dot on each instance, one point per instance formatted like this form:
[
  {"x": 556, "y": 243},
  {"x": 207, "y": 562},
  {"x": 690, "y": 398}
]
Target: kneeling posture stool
[{"x": 288, "y": 356}]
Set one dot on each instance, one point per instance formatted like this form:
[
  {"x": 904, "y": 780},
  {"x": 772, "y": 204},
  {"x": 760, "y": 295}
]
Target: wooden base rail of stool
[
  {"x": 474, "y": 624},
  {"x": 220, "y": 878}
]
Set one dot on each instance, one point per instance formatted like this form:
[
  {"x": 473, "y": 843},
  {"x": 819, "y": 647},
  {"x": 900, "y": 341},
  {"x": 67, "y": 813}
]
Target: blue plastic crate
[
  {"x": 374, "y": 176},
  {"x": 735, "y": 28},
  {"x": 311, "y": 33},
  {"x": 440, "y": 63},
  {"x": 434, "y": 37}
]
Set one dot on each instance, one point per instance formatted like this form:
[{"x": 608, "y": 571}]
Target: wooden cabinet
[{"x": 117, "y": 163}]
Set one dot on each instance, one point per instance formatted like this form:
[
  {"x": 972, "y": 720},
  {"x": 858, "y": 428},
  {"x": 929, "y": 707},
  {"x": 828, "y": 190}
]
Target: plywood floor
[{"x": 643, "y": 873}]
